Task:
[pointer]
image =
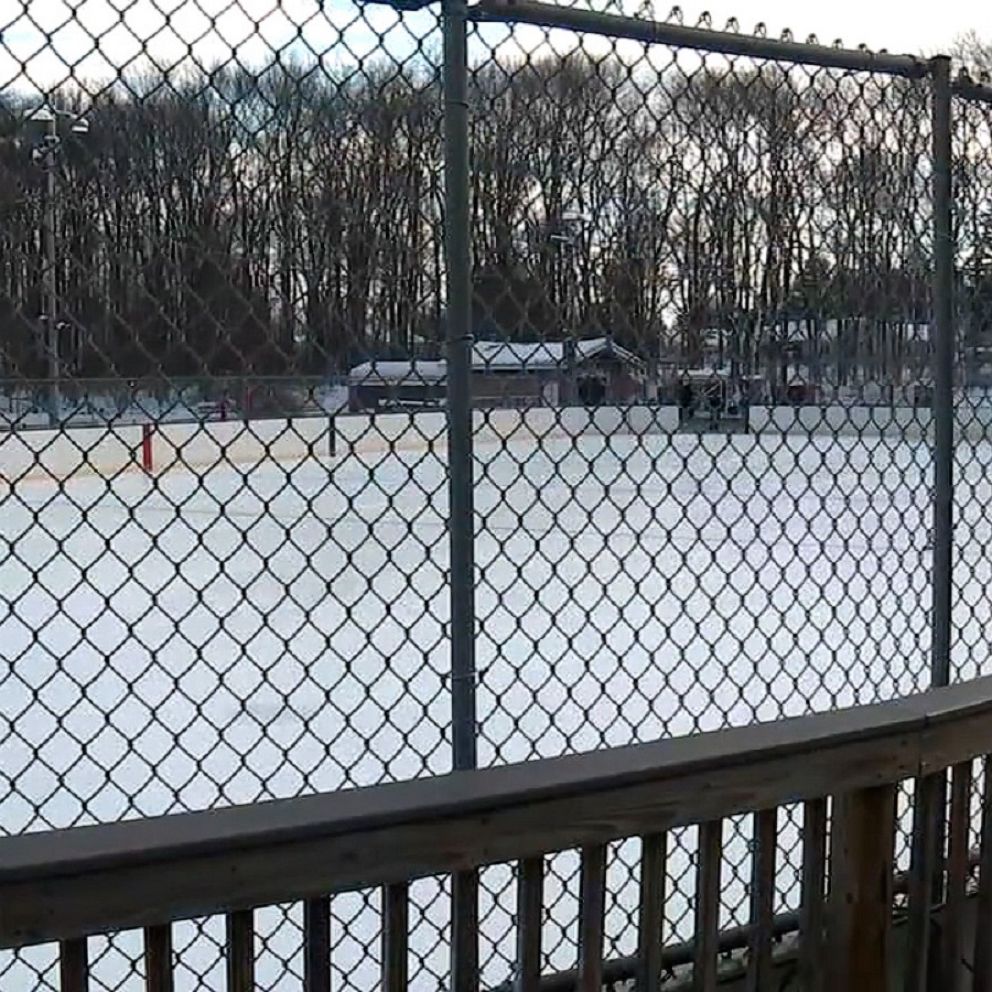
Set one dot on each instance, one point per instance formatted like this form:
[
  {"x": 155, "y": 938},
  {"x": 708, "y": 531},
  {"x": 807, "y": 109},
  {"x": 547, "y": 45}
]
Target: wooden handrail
[{"x": 65, "y": 884}]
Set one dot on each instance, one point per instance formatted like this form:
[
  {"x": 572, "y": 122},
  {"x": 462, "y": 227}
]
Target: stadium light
[{"x": 45, "y": 123}]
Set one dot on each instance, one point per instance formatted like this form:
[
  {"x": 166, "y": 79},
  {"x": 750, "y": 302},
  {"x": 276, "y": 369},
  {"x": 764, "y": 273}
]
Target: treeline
[{"x": 289, "y": 220}]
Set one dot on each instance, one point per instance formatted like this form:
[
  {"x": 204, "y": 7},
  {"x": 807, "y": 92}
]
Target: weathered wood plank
[
  {"x": 240, "y": 951},
  {"x": 592, "y": 909},
  {"x": 158, "y": 959},
  {"x": 860, "y": 902},
  {"x": 814, "y": 887},
  {"x": 94, "y": 879},
  {"x": 652, "y": 911},
  {"x": 530, "y": 921},
  {"x": 948, "y": 742},
  {"x": 395, "y": 937},
  {"x": 983, "y": 913},
  {"x": 957, "y": 877},
  {"x": 759, "y": 964},
  {"x": 317, "y": 945},
  {"x": 74, "y": 967},
  {"x": 289, "y": 870},
  {"x": 926, "y": 811},
  {"x": 709, "y": 858}
]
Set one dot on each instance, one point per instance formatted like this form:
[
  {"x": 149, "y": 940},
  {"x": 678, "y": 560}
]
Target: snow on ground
[{"x": 221, "y": 638}]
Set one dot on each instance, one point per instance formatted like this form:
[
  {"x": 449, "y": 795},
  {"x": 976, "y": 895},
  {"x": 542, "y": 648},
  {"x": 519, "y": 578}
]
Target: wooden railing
[{"x": 843, "y": 767}]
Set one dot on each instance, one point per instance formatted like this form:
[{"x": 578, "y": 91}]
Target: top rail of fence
[{"x": 720, "y": 42}]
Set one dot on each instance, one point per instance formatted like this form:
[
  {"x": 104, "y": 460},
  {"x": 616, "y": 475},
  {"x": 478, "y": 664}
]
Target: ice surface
[{"x": 223, "y": 637}]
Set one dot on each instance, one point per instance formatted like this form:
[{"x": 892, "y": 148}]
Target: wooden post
[
  {"x": 814, "y": 880},
  {"x": 241, "y": 951},
  {"x": 982, "y": 953},
  {"x": 465, "y": 931},
  {"x": 158, "y": 959},
  {"x": 707, "y": 933},
  {"x": 395, "y": 937},
  {"x": 759, "y": 964},
  {"x": 860, "y": 906},
  {"x": 929, "y": 792},
  {"x": 652, "y": 911},
  {"x": 530, "y": 918},
  {"x": 592, "y": 902},
  {"x": 317, "y": 945},
  {"x": 957, "y": 878},
  {"x": 74, "y": 969}
]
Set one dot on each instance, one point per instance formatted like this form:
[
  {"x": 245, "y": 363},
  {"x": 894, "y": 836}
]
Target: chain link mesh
[
  {"x": 972, "y": 147},
  {"x": 750, "y": 247},
  {"x": 701, "y": 304}
]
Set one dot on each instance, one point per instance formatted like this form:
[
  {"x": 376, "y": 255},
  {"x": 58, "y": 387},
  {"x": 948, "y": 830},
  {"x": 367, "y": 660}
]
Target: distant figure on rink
[
  {"x": 715, "y": 401},
  {"x": 685, "y": 401}
]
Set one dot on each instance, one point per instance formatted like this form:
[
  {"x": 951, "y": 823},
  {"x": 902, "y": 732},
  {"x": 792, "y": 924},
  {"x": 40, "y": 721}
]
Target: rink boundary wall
[{"x": 110, "y": 451}]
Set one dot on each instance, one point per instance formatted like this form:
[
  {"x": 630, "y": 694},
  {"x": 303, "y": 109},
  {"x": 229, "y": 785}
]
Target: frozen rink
[{"x": 213, "y": 639}]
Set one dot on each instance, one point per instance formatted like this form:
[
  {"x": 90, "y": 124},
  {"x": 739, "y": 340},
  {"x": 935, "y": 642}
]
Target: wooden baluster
[
  {"x": 395, "y": 937},
  {"x": 530, "y": 918},
  {"x": 814, "y": 881},
  {"x": 710, "y": 855},
  {"x": 983, "y": 911},
  {"x": 759, "y": 963},
  {"x": 317, "y": 945},
  {"x": 74, "y": 968},
  {"x": 652, "y": 911},
  {"x": 158, "y": 959},
  {"x": 592, "y": 909},
  {"x": 465, "y": 927},
  {"x": 957, "y": 876},
  {"x": 860, "y": 904},
  {"x": 241, "y": 951},
  {"x": 926, "y": 811}
]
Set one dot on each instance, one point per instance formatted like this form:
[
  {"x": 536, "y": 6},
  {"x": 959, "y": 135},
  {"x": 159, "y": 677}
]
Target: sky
[{"x": 46, "y": 41}]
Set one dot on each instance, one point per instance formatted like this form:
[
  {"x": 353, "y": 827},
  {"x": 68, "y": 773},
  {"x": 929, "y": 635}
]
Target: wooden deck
[{"x": 65, "y": 886}]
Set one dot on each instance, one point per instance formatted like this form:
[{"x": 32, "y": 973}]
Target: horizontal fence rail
[
  {"x": 611, "y": 25},
  {"x": 68, "y": 886}
]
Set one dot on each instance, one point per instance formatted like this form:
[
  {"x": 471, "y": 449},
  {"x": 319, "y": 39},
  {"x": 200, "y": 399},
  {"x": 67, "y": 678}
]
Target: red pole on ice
[{"x": 146, "y": 447}]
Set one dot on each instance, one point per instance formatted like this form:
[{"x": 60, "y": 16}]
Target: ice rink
[{"x": 206, "y": 639}]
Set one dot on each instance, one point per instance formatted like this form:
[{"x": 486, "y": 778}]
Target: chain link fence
[{"x": 386, "y": 391}]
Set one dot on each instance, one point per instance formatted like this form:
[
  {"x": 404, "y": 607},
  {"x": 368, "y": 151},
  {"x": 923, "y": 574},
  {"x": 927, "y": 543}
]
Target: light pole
[
  {"x": 46, "y": 124},
  {"x": 564, "y": 234}
]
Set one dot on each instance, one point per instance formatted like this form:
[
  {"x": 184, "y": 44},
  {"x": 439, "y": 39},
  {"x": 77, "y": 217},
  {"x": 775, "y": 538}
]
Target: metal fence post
[
  {"x": 459, "y": 343},
  {"x": 465, "y": 893},
  {"x": 943, "y": 372},
  {"x": 51, "y": 298},
  {"x": 930, "y": 814}
]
